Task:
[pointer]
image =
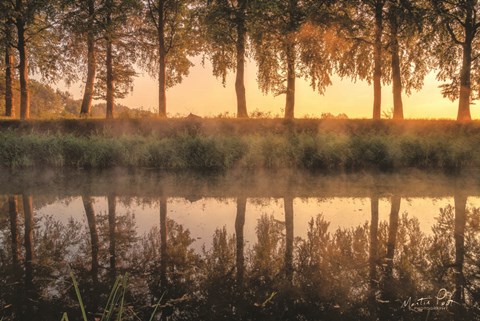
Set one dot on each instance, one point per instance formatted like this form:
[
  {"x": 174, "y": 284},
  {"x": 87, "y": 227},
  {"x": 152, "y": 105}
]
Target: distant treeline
[
  {"x": 48, "y": 103},
  {"x": 379, "y": 41}
]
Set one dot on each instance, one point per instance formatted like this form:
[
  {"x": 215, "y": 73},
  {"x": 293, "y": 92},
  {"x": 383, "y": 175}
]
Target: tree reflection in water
[{"x": 363, "y": 272}]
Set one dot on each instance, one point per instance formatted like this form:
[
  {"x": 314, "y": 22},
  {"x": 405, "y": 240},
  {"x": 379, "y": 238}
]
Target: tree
[
  {"x": 163, "y": 244},
  {"x": 240, "y": 243},
  {"x": 82, "y": 30},
  {"x": 292, "y": 38},
  {"x": 37, "y": 43},
  {"x": 457, "y": 51},
  {"x": 460, "y": 201},
  {"x": 377, "y": 47},
  {"x": 45, "y": 100},
  {"x": 169, "y": 39},
  {"x": 13, "y": 215},
  {"x": 21, "y": 23},
  {"x": 92, "y": 226},
  {"x": 25, "y": 12},
  {"x": 112, "y": 223},
  {"x": 91, "y": 61},
  {"x": 7, "y": 42},
  {"x": 289, "y": 237},
  {"x": 373, "y": 249},
  {"x": 395, "y": 51},
  {"x": 119, "y": 25},
  {"x": 386, "y": 284},
  {"x": 408, "y": 47},
  {"x": 356, "y": 18},
  {"x": 28, "y": 241},
  {"x": 395, "y": 16},
  {"x": 225, "y": 24}
]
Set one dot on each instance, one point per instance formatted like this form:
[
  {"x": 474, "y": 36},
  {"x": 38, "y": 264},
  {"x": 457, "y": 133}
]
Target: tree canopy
[{"x": 104, "y": 42}]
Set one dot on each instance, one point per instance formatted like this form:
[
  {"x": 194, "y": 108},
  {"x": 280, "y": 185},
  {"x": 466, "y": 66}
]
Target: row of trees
[{"x": 381, "y": 41}]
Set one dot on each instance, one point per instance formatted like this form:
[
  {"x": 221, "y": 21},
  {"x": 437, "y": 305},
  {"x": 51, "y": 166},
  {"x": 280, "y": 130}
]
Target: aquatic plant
[{"x": 115, "y": 305}]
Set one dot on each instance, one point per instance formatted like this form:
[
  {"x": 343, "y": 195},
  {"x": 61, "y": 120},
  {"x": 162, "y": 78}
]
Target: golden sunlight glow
[{"x": 203, "y": 95}]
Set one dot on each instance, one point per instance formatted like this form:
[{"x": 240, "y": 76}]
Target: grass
[
  {"x": 221, "y": 126},
  {"x": 114, "y": 308},
  {"x": 369, "y": 146}
]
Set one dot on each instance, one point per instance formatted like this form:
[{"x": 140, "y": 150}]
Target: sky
[{"x": 204, "y": 95}]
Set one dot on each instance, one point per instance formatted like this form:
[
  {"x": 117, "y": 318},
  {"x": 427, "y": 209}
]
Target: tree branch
[{"x": 151, "y": 12}]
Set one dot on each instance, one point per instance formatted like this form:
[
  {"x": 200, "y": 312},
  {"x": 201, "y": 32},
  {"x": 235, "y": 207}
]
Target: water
[{"x": 242, "y": 246}]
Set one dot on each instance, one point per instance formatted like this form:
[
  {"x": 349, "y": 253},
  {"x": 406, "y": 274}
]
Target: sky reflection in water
[{"x": 370, "y": 247}]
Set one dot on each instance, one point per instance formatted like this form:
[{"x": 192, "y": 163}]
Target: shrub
[{"x": 311, "y": 150}]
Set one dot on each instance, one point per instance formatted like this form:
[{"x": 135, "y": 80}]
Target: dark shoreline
[{"x": 215, "y": 126}]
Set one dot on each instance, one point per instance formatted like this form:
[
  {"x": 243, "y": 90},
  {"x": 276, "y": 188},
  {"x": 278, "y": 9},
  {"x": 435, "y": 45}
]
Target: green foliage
[
  {"x": 115, "y": 305},
  {"x": 281, "y": 26},
  {"x": 322, "y": 151},
  {"x": 120, "y": 23},
  {"x": 180, "y": 30},
  {"x": 370, "y": 152},
  {"x": 326, "y": 152},
  {"x": 456, "y": 29},
  {"x": 79, "y": 297},
  {"x": 221, "y": 23},
  {"x": 450, "y": 153},
  {"x": 46, "y": 102},
  {"x": 356, "y": 55}
]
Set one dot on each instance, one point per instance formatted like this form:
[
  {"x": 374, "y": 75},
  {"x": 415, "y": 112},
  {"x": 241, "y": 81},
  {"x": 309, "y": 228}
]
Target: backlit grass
[{"x": 326, "y": 151}]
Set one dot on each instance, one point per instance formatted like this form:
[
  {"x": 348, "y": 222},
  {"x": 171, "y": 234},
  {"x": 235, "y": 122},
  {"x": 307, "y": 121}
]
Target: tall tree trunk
[
  {"x": 13, "y": 214},
  {"x": 92, "y": 226},
  {"x": 377, "y": 56},
  {"x": 109, "y": 61},
  {"x": 387, "y": 287},
  {"x": 396, "y": 73},
  {"x": 112, "y": 222},
  {"x": 29, "y": 255},
  {"x": 163, "y": 244},
  {"x": 465, "y": 75},
  {"x": 373, "y": 254},
  {"x": 239, "y": 224},
  {"x": 15, "y": 246},
  {"x": 459, "y": 237},
  {"x": 110, "y": 81},
  {"x": 290, "y": 99},
  {"x": 373, "y": 261},
  {"x": 290, "y": 52},
  {"x": 91, "y": 62},
  {"x": 240, "y": 76},
  {"x": 385, "y": 309},
  {"x": 162, "y": 62},
  {"x": 392, "y": 233},
  {"x": 164, "y": 258},
  {"x": 9, "y": 70},
  {"x": 30, "y": 293},
  {"x": 288, "y": 206},
  {"x": 23, "y": 64}
]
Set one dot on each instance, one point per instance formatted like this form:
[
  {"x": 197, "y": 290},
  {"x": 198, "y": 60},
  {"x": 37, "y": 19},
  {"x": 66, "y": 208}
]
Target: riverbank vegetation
[{"x": 207, "y": 144}]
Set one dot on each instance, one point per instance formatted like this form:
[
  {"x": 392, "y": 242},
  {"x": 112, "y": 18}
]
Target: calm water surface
[{"x": 242, "y": 246}]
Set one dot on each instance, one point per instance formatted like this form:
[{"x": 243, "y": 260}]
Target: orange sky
[{"x": 204, "y": 95}]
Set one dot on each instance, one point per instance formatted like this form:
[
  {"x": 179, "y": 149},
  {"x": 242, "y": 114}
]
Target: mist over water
[{"x": 266, "y": 246}]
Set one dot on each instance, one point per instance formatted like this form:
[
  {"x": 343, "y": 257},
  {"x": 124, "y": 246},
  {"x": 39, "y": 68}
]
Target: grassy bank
[
  {"x": 224, "y": 126},
  {"x": 273, "y": 144}
]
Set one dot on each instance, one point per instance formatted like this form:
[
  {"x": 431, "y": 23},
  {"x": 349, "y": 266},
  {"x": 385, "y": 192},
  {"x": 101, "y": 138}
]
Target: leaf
[{"x": 79, "y": 297}]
